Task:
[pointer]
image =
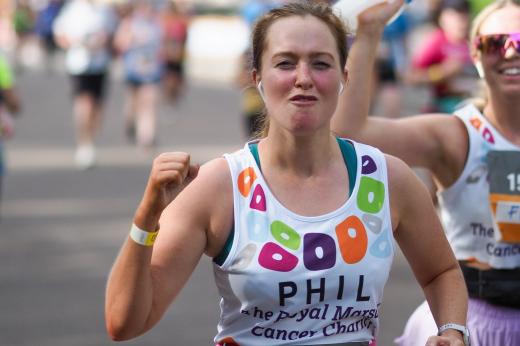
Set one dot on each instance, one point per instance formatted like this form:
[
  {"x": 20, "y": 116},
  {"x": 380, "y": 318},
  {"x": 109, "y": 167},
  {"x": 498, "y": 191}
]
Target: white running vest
[
  {"x": 465, "y": 208},
  {"x": 297, "y": 280}
]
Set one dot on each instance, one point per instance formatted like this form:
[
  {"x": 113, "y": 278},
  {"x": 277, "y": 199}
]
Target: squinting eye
[
  {"x": 284, "y": 65},
  {"x": 321, "y": 65}
]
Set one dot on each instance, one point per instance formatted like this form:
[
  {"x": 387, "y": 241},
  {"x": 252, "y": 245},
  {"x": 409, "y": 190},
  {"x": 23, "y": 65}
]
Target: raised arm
[
  {"x": 146, "y": 279},
  {"x": 419, "y": 234},
  {"x": 436, "y": 141},
  {"x": 356, "y": 98}
]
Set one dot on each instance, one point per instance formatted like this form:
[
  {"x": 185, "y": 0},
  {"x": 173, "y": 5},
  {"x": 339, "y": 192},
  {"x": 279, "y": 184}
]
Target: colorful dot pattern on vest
[{"x": 290, "y": 279}]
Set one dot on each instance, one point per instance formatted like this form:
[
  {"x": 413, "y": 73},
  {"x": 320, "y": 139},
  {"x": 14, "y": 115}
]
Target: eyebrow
[{"x": 293, "y": 55}]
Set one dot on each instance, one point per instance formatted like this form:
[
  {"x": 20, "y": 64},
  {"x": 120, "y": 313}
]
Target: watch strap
[{"x": 462, "y": 329}]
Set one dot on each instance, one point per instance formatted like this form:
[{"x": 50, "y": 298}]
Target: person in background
[
  {"x": 175, "y": 29},
  {"x": 23, "y": 24},
  {"x": 443, "y": 61},
  {"x": 251, "y": 105},
  {"x": 9, "y": 106},
  {"x": 139, "y": 39},
  {"x": 44, "y": 29},
  {"x": 277, "y": 252},
  {"x": 390, "y": 66},
  {"x": 84, "y": 29},
  {"x": 474, "y": 157}
]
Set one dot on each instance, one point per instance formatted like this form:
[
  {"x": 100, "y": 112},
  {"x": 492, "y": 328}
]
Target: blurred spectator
[
  {"x": 139, "y": 39},
  {"x": 43, "y": 26},
  {"x": 252, "y": 105},
  {"x": 9, "y": 105},
  {"x": 84, "y": 29},
  {"x": 7, "y": 34},
  {"x": 444, "y": 61},
  {"x": 23, "y": 24},
  {"x": 391, "y": 64},
  {"x": 175, "y": 28}
]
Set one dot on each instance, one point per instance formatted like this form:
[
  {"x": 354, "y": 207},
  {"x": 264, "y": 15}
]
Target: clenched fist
[{"x": 171, "y": 173}]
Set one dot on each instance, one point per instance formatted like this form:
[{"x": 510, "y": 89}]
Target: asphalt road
[{"x": 61, "y": 228}]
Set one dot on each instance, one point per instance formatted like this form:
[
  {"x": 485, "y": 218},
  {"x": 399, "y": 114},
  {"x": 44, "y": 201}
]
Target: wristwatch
[{"x": 464, "y": 331}]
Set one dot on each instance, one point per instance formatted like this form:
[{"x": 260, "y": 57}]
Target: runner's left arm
[{"x": 418, "y": 231}]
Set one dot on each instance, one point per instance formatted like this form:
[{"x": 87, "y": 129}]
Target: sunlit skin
[
  {"x": 301, "y": 75},
  {"x": 503, "y": 81},
  {"x": 438, "y": 142},
  {"x": 503, "y": 21}
]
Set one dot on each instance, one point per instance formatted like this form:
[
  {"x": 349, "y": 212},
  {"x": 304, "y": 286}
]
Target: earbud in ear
[
  {"x": 341, "y": 87},
  {"x": 480, "y": 69},
  {"x": 261, "y": 90}
]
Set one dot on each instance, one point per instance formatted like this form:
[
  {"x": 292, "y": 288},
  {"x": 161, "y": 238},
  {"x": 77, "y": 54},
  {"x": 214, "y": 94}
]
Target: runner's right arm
[{"x": 146, "y": 279}]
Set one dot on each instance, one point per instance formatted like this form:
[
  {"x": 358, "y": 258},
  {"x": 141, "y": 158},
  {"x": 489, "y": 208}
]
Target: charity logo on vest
[
  {"x": 337, "y": 315},
  {"x": 319, "y": 249},
  {"x": 343, "y": 303},
  {"x": 486, "y": 133},
  {"x": 493, "y": 248}
]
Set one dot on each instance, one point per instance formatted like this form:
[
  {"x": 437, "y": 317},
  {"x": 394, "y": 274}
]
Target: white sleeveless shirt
[
  {"x": 465, "y": 208},
  {"x": 298, "y": 280}
]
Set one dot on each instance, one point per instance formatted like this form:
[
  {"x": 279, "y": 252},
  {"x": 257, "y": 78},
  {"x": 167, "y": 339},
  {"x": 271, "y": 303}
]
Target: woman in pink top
[{"x": 444, "y": 61}]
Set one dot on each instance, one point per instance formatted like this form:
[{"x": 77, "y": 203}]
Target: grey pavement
[{"x": 61, "y": 228}]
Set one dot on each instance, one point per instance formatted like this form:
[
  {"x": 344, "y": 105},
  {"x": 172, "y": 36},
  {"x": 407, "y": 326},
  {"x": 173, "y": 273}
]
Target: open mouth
[{"x": 303, "y": 98}]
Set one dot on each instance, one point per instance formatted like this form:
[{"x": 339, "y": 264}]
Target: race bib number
[{"x": 504, "y": 194}]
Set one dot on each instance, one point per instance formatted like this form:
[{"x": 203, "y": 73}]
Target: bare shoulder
[
  {"x": 405, "y": 188},
  {"x": 399, "y": 173},
  {"x": 403, "y": 183},
  {"x": 214, "y": 191},
  {"x": 215, "y": 174}
]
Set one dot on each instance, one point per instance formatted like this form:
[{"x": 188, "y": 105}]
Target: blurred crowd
[
  {"x": 426, "y": 46},
  {"x": 84, "y": 38}
]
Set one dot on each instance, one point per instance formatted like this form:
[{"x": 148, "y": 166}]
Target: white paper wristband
[{"x": 142, "y": 237}]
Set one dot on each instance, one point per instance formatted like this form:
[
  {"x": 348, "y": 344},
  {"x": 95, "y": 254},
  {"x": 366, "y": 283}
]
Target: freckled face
[
  {"x": 300, "y": 74},
  {"x": 502, "y": 72}
]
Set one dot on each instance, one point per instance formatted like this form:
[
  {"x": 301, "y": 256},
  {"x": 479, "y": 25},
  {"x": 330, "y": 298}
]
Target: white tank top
[
  {"x": 465, "y": 208},
  {"x": 298, "y": 280}
]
